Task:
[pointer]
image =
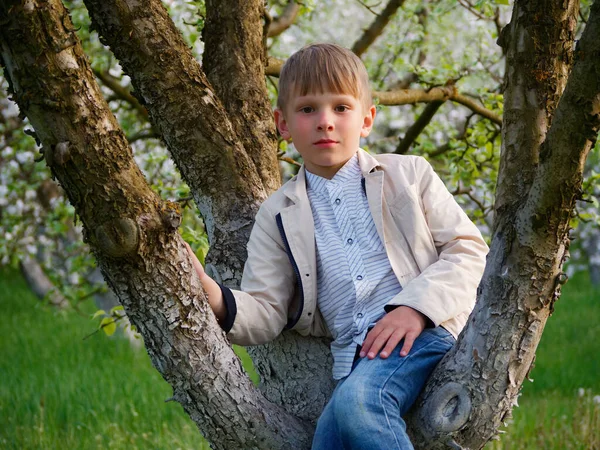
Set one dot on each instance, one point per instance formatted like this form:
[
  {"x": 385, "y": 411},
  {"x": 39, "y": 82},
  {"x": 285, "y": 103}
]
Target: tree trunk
[
  {"x": 476, "y": 385},
  {"x": 182, "y": 105},
  {"x": 40, "y": 284},
  {"x": 234, "y": 62}
]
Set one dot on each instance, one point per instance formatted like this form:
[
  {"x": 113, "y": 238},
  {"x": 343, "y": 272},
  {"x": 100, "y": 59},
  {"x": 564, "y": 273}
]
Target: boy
[{"x": 372, "y": 251}]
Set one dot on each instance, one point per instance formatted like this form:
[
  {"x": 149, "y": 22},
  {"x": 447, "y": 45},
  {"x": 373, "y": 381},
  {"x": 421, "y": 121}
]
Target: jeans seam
[
  {"x": 386, "y": 381},
  {"x": 388, "y": 419}
]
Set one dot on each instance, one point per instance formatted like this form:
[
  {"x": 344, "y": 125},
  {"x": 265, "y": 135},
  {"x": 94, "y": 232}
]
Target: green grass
[
  {"x": 59, "y": 391},
  {"x": 561, "y": 408}
]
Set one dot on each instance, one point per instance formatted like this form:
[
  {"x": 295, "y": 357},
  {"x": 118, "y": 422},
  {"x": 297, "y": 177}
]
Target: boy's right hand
[{"x": 210, "y": 286}]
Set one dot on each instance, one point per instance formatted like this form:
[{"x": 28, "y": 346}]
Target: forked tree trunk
[
  {"x": 132, "y": 232},
  {"x": 475, "y": 387}
]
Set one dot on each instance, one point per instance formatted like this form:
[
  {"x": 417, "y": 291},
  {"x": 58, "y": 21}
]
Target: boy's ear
[
  {"x": 368, "y": 121},
  {"x": 282, "y": 125}
]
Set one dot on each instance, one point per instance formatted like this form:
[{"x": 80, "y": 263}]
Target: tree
[{"x": 216, "y": 122}]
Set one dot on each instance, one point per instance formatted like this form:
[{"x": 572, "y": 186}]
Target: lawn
[{"x": 60, "y": 391}]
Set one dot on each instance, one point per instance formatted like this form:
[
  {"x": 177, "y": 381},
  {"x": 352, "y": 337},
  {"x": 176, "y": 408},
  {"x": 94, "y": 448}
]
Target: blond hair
[{"x": 320, "y": 68}]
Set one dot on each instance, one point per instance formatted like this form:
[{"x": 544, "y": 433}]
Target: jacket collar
[{"x": 295, "y": 189}]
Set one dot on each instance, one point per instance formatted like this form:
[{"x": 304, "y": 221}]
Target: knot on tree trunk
[
  {"x": 117, "y": 238},
  {"x": 446, "y": 410},
  {"x": 171, "y": 216}
]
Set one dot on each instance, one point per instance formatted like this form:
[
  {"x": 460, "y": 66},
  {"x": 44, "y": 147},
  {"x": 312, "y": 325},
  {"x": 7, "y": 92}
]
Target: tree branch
[
  {"x": 574, "y": 131},
  {"x": 376, "y": 27},
  {"x": 539, "y": 57},
  {"x": 234, "y": 61},
  {"x": 120, "y": 92},
  {"x": 523, "y": 275},
  {"x": 195, "y": 126},
  {"x": 282, "y": 22},
  {"x": 274, "y": 66},
  {"x": 416, "y": 128},
  {"x": 411, "y": 96}
]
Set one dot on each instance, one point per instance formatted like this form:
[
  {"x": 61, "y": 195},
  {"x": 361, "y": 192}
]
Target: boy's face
[{"x": 325, "y": 129}]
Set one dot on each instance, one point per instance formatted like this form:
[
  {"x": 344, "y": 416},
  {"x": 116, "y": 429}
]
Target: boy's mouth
[{"x": 325, "y": 141}]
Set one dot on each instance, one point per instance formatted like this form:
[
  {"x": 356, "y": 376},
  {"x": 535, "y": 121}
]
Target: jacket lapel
[
  {"x": 298, "y": 224},
  {"x": 373, "y": 189}
]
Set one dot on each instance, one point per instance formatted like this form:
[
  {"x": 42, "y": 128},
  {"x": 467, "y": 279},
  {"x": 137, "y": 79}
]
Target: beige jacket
[{"x": 436, "y": 252}]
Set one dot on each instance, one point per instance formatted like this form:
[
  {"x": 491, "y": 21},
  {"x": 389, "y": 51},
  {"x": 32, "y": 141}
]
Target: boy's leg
[{"x": 365, "y": 409}]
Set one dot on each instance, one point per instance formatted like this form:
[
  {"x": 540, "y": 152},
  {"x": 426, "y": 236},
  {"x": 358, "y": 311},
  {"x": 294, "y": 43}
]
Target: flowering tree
[{"x": 216, "y": 121}]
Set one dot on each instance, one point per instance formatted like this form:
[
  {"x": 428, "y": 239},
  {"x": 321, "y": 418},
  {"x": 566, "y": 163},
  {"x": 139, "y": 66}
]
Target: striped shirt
[{"x": 354, "y": 276}]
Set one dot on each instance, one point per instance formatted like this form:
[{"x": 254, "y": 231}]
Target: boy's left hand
[{"x": 401, "y": 323}]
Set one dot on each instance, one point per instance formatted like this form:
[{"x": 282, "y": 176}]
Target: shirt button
[
  {"x": 350, "y": 241},
  {"x": 359, "y": 277},
  {"x": 337, "y": 201},
  {"x": 359, "y": 315}
]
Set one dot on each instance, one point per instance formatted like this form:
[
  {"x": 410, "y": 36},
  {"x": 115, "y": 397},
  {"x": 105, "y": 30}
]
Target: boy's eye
[
  {"x": 341, "y": 108},
  {"x": 306, "y": 109}
]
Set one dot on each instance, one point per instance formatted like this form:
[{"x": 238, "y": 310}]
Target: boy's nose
[{"x": 325, "y": 123}]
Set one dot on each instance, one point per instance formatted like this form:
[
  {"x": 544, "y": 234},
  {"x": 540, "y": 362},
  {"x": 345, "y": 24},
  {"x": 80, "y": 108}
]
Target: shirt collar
[{"x": 347, "y": 173}]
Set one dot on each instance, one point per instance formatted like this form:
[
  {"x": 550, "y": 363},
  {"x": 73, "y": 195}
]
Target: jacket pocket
[
  {"x": 408, "y": 196},
  {"x": 411, "y": 223}
]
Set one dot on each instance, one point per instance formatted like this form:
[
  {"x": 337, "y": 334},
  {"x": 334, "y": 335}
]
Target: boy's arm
[
  {"x": 447, "y": 287},
  {"x": 258, "y": 313},
  {"x": 444, "y": 289}
]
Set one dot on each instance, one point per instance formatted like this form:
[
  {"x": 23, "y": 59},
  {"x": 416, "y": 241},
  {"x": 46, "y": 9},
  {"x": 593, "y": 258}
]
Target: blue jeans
[{"x": 366, "y": 408}]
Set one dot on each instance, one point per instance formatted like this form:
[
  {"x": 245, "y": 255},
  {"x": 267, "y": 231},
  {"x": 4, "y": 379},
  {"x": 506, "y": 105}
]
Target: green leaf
[
  {"x": 502, "y": 2},
  {"x": 115, "y": 309},
  {"x": 100, "y": 312},
  {"x": 108, "y": 325}
]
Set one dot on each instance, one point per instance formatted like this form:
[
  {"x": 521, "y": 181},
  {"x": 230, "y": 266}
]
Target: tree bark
[
  {"x": 234, "y": 60},
  {"x": 539, "y": 55}
]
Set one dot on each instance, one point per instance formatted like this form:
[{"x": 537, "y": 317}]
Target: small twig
[
  {"x": 115, "y": 320},
  {"x": 469, "y": 7},
  {"x": 98, "y": 290},
  {"x": 369, "y": 8},
  {"x": 145, "y": 134},
  {"x": 289, "y": 160}
]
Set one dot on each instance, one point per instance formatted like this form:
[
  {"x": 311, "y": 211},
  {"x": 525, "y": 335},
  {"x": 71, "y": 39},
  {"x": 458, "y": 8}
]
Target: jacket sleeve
[
  {"x": 258, "y": 312},
  {"x": 448, "y": 286}
]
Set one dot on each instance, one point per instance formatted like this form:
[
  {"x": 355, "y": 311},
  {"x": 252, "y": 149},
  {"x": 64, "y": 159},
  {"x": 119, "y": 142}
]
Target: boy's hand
[
  {"x": 210, "y": 286},
  {"x": 401, "y": 323}
]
